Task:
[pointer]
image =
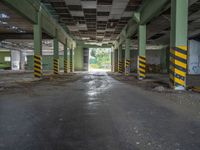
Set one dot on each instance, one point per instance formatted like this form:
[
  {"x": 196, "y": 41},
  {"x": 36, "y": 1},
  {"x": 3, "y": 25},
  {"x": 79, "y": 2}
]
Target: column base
[
  {"x": 141, "y": 67},
  {"x": 179, "y": 88},
  {"x": 56, "y": 66},
  {"x": 139, "y": 78},
  {"x": 37, "y": 66}
]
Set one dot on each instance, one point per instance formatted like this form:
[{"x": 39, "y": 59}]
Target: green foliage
[
  {"x": 93, "y": 53},
  {"x": 100, "y": 58},
  {"x": 94, "y": 66}
]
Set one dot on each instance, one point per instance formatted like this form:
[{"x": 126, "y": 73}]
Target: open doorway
[{"x": 100, "y": 59}]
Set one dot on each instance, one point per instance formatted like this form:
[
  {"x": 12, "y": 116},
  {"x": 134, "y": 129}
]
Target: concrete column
[
  {"x": 56, "y": 56},
  {"x": 71, "y": 60},
  {"x": 179, "y": 43},
  {"x": 65, "y": 58},
  {"x": 22, "y": 60},
  {"x": 120, "y": 63},
  {"x": 127, "y": 62},
  {"x": 112, "y": 60},
  {"x": 15, "y": 60},
  {"x": 38, "y": 47},
  {"x": 116, "y": 60},
  {"x": 142, "y": 52}
]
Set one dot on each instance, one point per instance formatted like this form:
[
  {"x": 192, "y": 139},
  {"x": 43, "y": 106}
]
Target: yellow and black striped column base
[
  {"x": 37, "y": 66},
  {"x": 120, "y": 67},
  {"x": 65, "y": 66},
  {"x": 71, "y": 67},
  {"x": 141, "y": 67},
  {"x": 55, "y": 66},
  {"x": 178, "y": 67},
  {"x": 127, "y": 67},
  {"x": 116, "y": 68}
]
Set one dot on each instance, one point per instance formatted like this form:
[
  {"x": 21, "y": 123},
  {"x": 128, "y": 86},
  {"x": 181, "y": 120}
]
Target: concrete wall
[
  {"x": 78, "y": 59},
  {"x": 15, "y": 60},
  {"x": 153, "y": 57},
  {"x": 5, "y": 64},
  {"x": 47, "y": 62},
  {"x": 194, "y": 57},
  {"x": 79, "y": 56}
]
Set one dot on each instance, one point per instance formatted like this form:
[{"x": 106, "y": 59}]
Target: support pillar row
[
  {"x": 179, "y": 44},
  {"x": 142, "y": 52}
]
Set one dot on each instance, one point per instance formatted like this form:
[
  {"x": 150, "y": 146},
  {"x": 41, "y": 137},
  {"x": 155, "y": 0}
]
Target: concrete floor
[{"x": 94, "y": 112}]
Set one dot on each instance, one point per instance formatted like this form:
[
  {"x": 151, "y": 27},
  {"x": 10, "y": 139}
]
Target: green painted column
[
  {"x": 71, "y": 60},
  {"x": 65, "y": 58},
  {"x": 142, "y": 52},
  {"x": 56, "y": 56},
  {"x": 120, "y": 61},
  {"x": 112, "y": 60},
  {"x": 38, "y": 47},
  {"x": 115, "y": 60},
  {"x": 179, "y": 44},
  {"x": 127, "y": 62}
]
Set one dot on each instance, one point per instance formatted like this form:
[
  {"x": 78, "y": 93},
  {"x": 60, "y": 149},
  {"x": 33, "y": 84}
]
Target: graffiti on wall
[
  {"x": 194, "y": 57},
  {"x": 195, "y": 65}
]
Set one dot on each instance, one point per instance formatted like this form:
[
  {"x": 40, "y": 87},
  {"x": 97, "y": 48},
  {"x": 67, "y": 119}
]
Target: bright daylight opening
[{"x": 100, "y": 59}]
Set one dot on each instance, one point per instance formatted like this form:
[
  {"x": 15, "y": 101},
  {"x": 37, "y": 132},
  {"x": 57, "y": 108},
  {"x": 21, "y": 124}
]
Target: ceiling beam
[
  {"x": 7, "y": 36},
  {"x": 29, "y": 9},
  {"x": 151, "y": 9},
  {"x": 147, "y": 12}
]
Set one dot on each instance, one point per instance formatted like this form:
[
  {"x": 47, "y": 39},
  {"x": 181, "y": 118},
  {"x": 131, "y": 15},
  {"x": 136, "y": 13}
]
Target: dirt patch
[
  {"x": 27, "y": 86},
  {"x": 147, "y": 84},
  {"x": 187, "y": 98}
]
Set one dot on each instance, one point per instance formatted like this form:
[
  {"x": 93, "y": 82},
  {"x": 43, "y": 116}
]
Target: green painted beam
[
  {"x": 151, "y": 9},
  {"x": 81, "y": 43},
  {"x": 132, "y": 29},
  {"x": 24, "y": 7},
  {"x": 48, "y": 25}
]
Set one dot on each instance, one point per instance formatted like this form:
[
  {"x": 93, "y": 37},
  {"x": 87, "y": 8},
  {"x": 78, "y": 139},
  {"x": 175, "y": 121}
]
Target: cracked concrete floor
[{"x": 94, "y": 112}]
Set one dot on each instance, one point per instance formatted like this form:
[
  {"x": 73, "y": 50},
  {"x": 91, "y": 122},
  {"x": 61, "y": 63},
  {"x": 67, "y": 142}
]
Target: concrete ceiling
[
  {"x": 96, "y": 21},
  {"x": 93, "y": 20},
  {"x": 11, "y": 22}
]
